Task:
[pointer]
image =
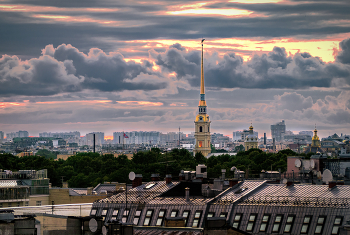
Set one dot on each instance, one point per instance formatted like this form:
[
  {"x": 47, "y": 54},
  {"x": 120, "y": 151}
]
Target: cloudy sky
[{"x": 135, "y": 65}]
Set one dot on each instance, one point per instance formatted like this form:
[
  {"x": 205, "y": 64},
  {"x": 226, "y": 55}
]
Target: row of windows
[
  {"x": 277, "y": 222},
  {"x": 160, "y": 217},
  {"x": 16, "y": 204}
]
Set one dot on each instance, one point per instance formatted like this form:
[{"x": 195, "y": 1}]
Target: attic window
[
  {"x": 240, "y": 190},
  {"x": 150, "y": 186}
]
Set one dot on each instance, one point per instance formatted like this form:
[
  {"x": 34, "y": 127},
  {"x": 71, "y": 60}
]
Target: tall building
[
  {"x": 202, "y": 122},
  {"x": 99, "y": 138},
  {"x": 242, "y": 135},
  {"x": 1, "y": 136},
  {"x": 10, "y": 136},
  {"x": 278, "y": 130},
  {"x": 251, "y": 141},
  {"x": 136, "y": 137}
]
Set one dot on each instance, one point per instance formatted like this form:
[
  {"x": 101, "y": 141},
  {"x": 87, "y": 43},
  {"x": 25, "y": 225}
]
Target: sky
[{"x": 134, "y": 65}]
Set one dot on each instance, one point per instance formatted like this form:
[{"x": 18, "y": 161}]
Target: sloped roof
[
  {"x": 108, "y": 187},
  {"x": 141, "y": 194}
]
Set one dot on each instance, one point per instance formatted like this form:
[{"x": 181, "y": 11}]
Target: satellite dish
[
  {"x": 93, "y": 225},
  {"x": 131, "y": 176},
  {"x": 285, "y": 181},
  {"x": 312, "y": 163},
  {"x": 327, "y": 176},
  {"x": 298, "y": 163},
  {"x": 306, "y": 164},
  {"x": 104, "y": 230}
]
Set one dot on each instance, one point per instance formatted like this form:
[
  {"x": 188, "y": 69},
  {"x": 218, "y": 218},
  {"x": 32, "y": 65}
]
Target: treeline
[{"x": 88, "y": 169}]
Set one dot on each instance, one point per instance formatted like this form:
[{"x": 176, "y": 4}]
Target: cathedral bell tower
[{"x": 202, "y": 122}]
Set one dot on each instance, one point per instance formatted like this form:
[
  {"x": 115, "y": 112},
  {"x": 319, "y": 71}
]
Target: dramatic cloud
[{"x": 66, "y": 69}]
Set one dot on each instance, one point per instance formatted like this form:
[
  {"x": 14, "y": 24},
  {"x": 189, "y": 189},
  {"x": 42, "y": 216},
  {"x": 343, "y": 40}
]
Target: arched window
[
  {"x": 208, "y": 129},
  {"x": 200, "y": 144},
  {"x": 200, "y": 129}
]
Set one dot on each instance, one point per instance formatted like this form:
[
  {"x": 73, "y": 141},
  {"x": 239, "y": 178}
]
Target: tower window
[
  {"x": 200, "y": 144},
  {"x": 208, "y": 129},
  {"x": 200, "y": 129}
]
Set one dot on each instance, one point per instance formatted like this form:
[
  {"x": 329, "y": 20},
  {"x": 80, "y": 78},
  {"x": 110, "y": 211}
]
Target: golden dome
[
  {"x": 202, "y": 117},
  {"x": 251, "y": 127}
]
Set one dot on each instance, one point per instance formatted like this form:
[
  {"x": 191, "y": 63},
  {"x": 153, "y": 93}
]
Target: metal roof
[{"x": 141, "y": 194}]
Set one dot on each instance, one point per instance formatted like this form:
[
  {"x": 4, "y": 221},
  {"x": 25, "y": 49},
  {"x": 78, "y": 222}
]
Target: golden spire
[{"x": 202, "y": 92}]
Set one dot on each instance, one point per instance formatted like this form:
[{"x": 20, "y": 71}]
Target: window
[
  {"x": 251, "y": 222},
  {"x": 38, "y": 203},
  {"x": 160, "y": 219},
  {"x": 237, "y": 221},
  {"x": 26, "y": 203},
  {"x": 0, "y": 205},
  {"x": 186, "y": 214},
  {"x": 104, "y": 213},
  {"x": 125, "y": 215},
  {"x": 264, "y": 223},
  {"x": 200, "y": 129},
  {"x": 174, "y": 213},
  {"x": 320, "y": 224},
  {"x": 137, "y": 217},
  {"x": 223, "y": 214},
  {"x": 337, "y": 223},
  {"x": 18, "y": 204},
  {"x": 210, "y": 214},
  {"x": 197, "y": 219},
  {"x": 150, "y": 185},
  {"x": 9, "y": 204},
  {"x": 93, "y": 212},
  {"x": 306, "y": 224},
  {"x": 200, "y": 144},
  {"x": 115, "y": 214},
  {"x": 289, "y": 224},
  {"x": 277, "y": 223},
  {"x": 148, "y": 218}
]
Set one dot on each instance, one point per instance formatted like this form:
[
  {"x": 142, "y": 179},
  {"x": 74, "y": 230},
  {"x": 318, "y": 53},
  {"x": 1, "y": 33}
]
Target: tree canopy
[{"x": 89, "y": 169}]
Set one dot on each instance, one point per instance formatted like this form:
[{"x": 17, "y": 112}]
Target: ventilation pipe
[{"x": 187, "y": 194}]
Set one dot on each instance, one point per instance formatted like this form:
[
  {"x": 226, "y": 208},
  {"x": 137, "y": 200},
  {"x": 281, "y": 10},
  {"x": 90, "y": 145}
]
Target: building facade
[
  {"x": 251, "y": 141},
  {"x": 202, "y": 122},
  {"x": 278, "y": 130}
]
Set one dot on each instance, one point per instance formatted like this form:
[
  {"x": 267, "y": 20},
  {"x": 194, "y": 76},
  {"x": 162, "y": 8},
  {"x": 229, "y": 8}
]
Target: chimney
[
  {"x": 187, "y": 194},
  {"x": 289, "y": 183},
  {"x": 155, "y": 177},
  {"x": 223, "y": 171},
  {"x": 137, "y": 181},
  {"x": 168, "y": 179},
  {"x": 332, "y": 184},
  {"x": 89, "y": 191},
  {"x": 233, "y": 182},
  {"x": 181, "y": 176}
]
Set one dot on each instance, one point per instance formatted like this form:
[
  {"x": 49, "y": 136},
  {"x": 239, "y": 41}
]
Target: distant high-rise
[
  {"x": 278, "y": 130},
  {"x": 21, "y": 134},
  {"x": 202, "y": 122},
  {"x": 99, "y": 138},
  {"x": 1, "y": 136}
]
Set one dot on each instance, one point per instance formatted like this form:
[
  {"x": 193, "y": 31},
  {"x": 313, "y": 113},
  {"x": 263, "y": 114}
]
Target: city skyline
[{"x": 117, "y": 66}]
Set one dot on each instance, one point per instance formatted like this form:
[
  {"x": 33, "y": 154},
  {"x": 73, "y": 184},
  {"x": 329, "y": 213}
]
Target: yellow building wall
[
  {"x": 61, "y": 196},
  {"x": 63, "y": 156},
  {"x": 44, "y": 199},
  {"x": 51, "y": 223},
  {"x": 129, "y": 155}
]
